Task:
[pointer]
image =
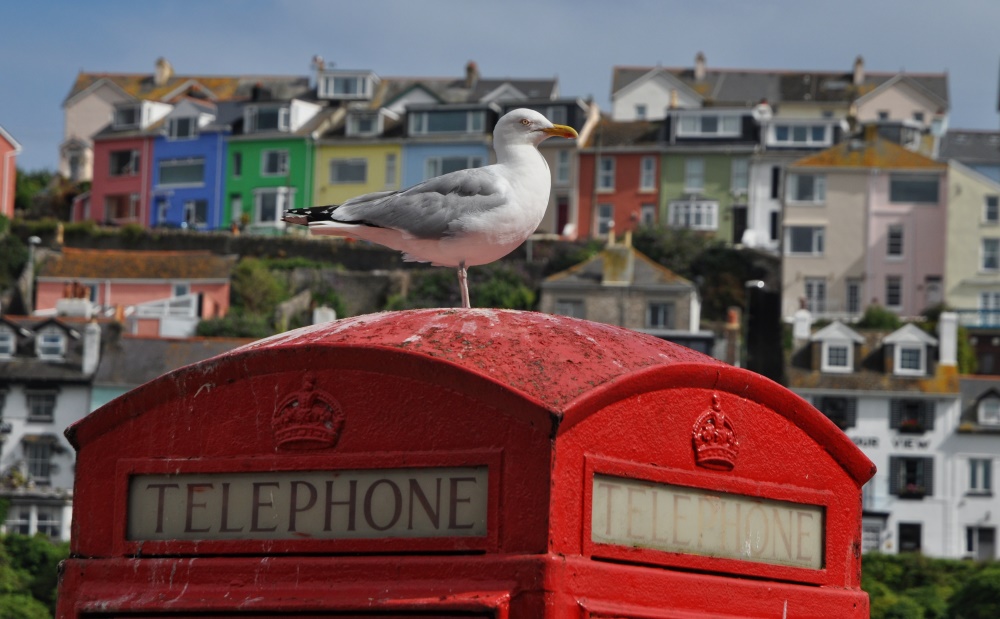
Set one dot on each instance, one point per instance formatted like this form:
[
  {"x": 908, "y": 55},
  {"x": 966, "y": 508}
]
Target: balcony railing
[{"x": 982, "y": 318}]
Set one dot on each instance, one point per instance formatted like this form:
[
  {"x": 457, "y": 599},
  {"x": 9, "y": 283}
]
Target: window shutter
[
  {"x": 928, "y": 476},
  {"x": 895, "y": 467},
  {"x": 895, "y": 414},
  {"x": 851, "y": 412},
  {"x": 927, "y": 414}
]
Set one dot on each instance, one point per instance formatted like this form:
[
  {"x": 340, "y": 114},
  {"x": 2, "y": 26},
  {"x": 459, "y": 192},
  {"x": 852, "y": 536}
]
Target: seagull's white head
[{"x": 528, "y": 126}]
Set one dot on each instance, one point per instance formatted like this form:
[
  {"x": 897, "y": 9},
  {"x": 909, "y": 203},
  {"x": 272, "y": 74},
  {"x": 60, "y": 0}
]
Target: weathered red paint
[{"x": 544, "y": 402}]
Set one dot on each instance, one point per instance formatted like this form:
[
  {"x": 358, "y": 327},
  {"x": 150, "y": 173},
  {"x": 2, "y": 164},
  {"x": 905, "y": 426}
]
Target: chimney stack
[
  {"x": 91, "y": 347},
  {"x": 699, "y": 67},
  {"x": 164, "y": 71},
  {"x": 948, "y": 339},
  {"x": 471, "y": 75},
  {"x": 859, "y": 71}
]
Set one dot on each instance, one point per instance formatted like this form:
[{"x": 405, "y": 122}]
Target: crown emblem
[
  {"x": 307, "y": 419},
  {"x": 714, "y": 439}
]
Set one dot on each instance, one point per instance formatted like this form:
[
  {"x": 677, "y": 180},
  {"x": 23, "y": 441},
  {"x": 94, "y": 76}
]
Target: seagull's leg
[{"x": 463, "y": 284}]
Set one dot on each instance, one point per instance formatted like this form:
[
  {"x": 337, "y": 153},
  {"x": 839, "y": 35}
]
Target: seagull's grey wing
[{"x": 432, "y": 209}]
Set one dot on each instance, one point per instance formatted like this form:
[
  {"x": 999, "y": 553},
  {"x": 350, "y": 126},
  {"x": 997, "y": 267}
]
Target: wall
[
  {"x": 375, "y": 154},
  {"x": 967, "y": 191}
]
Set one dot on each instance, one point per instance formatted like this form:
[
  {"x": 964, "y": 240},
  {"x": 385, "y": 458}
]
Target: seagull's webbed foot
[{"x": 463, "y": 284}]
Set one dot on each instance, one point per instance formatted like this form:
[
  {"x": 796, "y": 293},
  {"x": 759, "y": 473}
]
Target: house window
[
  {"x": 853, "y": 296},
  {"x": 606, "y": 174},
  {"x": 893, "y": 291},
  {"x": 570, "y": 307},
  {"x": 804, "y": 240},
  {"x": 390, "y": 169},
  {"x": 605, "y": 218},
  {"x": 647, "y": 175},
  {"x": 122, "y": 207},
  {"x": 883, "y": 114},
  {"x": 362, "y": 124},
  {"x": 911, "y": 416},
  {"x": 196, "y": 213},
  {"x": 801, "y": 136},
  {"x": 842, "y": 411},
  {"x": 123, "y": 163},
  {"x": 51, "y": 343},
  {"x": 41, "y": 405},
  {"x": 270, "y": 204},
  {"x": 344, "y": 86},
  {"x": 708, "y": 125},
  {"x": 436, "y": 166},
  {"x": 694, "y": 214},
  {"x": 50, "y": 522},
  {"x": 910, "y": 533},
  {"x": 807, "y": 188},
  {"x": 457, "y": 121},
  {"x": 991, "y": 209},
  {"x": 911, "y": 477},
  {"x": 694, "y": 175},
  {"x": 980, "y": 475},
  {"x": 837, "y": 356},
  {"x": 274, "y": 162},
  {"x": 237, "y": 165},
  {"x": 257, "y": 118},
  {"x": 871, "y": 536},
  {"x": 181, "y": 290},
  {"x": 990, "y": 254},
  {"x": 913, "y": 189},
  {"x": 19, "y": 521},
  {"x": 815, "y": 288},
  {"x": 182, "y": 171},
  {"x": 640, "y": 111},
  {"x": 660, "y": 315},
  {"x": 345, "y": 171},
  {"x": 182, "y": 128},
  {"x": 774, "y": 221},
  {"x": 7, "y": 342},
  {"x": 38, "y": 458},
  {"x": 647, "y": 214},
  {"x": 739, "y": 180},
  {"x": 562, "y": 167},
  {"x": 988, "y": 412},
  {"x": 126, "y": 117},
  {"x": 894, "y": 242},
  {"x": 775, "y": 183},
  {"x": 910, "y": 359}
]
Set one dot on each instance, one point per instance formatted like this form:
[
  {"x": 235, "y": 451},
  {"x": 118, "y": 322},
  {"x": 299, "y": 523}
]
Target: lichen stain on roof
[
  {"x": 644, "y": 270},
  {"x": 877, "y": 153},
  {"x": 123, "y": 264}
]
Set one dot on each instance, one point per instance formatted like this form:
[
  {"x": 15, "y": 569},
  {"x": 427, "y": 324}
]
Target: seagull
[{"x": 460, "y": 219}]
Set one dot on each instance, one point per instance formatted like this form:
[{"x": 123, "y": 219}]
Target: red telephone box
[{"x": 464, "y": 463}]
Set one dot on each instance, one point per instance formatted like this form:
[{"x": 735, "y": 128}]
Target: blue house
[
  {"x": 445, "y": 138},
  {"x": 189, "y": 165}
]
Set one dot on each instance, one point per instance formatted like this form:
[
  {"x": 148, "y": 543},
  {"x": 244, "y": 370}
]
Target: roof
[
  {"x": 610, "y": 133},
  {"x": 132, "y": 361},
  {"x": 455, "y": 90},
  {"x": 971, "y": 146},
  {"x": 748, "y": 87},
  {"x": 219, "y": 87},
  {"x": 837, "y": 330},
  {"x": 26, "y": 367},
  {"x": 877, "y": 152},
  {"x": 609, "y": 265},
  {"x": 910, "y": 334},
  {"x": 10, "y": 139},
  {"x": 124, "y": 264}
]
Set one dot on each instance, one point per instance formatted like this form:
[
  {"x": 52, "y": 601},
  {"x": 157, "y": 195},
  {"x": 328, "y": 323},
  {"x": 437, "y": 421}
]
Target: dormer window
[
  {"x": 50, "y": 344},
  {"x": 8, "y": 343},
  {"x": 838, "y": 356},
  {"x": 450, "y": 121},
  {"x": 345, "y": 86},
  {"x": 800, "y": 136},
  {"x": 258, "y": 118},
  {"x": 126, "y": 117},
  {"x": 910, "y": 359},
  {"x": 708, "y": 125},
  {"x": 363, "y": 124},
  {"x": 182, "y": 128},
  {"x": 988, "y": 412}
]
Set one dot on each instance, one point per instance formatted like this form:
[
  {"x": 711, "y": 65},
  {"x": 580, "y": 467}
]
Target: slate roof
[
  {"x": 591, "y": 272},
  {"x": 123, "y": 264},
  {"x": 971, "y": 146},
  {"x": 130, "y": 361},
  {"x": 454, "y": 90},
  {"x": 876, "y": 152},
  {"x": 610, "y": 133},
  {"x": 748, "y": 87},
  {"x": 219, "y": 87},
  {"x": 26, "y": 367}
]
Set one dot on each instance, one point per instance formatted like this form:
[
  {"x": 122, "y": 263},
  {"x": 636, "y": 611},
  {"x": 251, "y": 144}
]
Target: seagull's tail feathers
[{"x": 308, "y": 215}]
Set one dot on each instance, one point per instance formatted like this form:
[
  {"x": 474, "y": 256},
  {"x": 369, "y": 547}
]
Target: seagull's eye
[{"x": 525, "y": 122}]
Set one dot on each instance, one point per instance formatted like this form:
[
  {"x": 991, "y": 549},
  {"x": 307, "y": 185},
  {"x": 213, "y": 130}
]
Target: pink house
[
  {"x": 122, "y": 177},
  {"x": 9, "y": 148},
  {"x": 155, "y": 293}
]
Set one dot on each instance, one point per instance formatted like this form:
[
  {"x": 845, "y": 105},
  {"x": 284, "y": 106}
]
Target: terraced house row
[{"x": 845, "y": 174}]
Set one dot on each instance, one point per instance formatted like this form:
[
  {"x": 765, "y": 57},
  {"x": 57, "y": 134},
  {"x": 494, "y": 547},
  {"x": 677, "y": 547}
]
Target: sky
[{"x": 45, "y": 43}]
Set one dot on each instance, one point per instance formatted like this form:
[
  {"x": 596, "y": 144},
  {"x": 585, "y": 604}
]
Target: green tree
[
  {"x": 877, "y": 317},
  {"x": 30, "y": 186},
  {"x": 254, "y": 289},
  {"x": 499, "y": 285},
  {"x": 237, "y": 323},
  {"x": 38, "y": 557},
  {"x": 22, "y": 606}
]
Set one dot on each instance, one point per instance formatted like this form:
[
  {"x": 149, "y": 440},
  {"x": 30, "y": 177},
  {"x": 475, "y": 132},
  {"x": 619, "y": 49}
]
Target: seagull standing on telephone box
[{"x": 460, "y": 219}]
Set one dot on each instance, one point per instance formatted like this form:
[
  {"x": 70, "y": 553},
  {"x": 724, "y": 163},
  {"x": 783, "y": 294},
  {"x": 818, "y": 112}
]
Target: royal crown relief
[
  {"x": 714, "y": 439},
  {"x": 309, "y": 418}
]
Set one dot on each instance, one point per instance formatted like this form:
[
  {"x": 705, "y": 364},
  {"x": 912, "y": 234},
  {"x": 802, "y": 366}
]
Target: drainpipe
[{"x": 6, "y": 179}]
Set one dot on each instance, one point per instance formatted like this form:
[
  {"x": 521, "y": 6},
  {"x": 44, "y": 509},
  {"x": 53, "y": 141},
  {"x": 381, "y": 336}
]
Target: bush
[
  {"x": 236, "y": 324},
  {"x": 254, "y": 289},
  {"x": 877, "y": 317},
  {"x": 978, "y": 598}
]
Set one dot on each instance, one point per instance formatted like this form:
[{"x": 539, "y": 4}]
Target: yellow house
[{"x": 345, "y": 169}]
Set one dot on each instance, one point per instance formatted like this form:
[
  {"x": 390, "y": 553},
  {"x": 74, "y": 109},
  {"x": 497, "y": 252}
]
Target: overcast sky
[{"x": 45, "y": 43}]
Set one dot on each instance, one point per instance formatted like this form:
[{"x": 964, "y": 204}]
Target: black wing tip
[{"x": 309, "y": 214}]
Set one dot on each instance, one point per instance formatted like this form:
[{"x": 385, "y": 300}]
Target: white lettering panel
[
  {"x": 361, "y": 504},
  {"x": 628, "y": 512}
]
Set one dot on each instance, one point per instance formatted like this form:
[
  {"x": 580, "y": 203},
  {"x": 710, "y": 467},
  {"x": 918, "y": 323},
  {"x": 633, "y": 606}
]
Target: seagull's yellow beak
[{"x": 561, "y": 131}]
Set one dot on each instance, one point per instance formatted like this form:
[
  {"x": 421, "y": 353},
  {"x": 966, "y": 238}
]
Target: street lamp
[{"x": 749, "y": 286}]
